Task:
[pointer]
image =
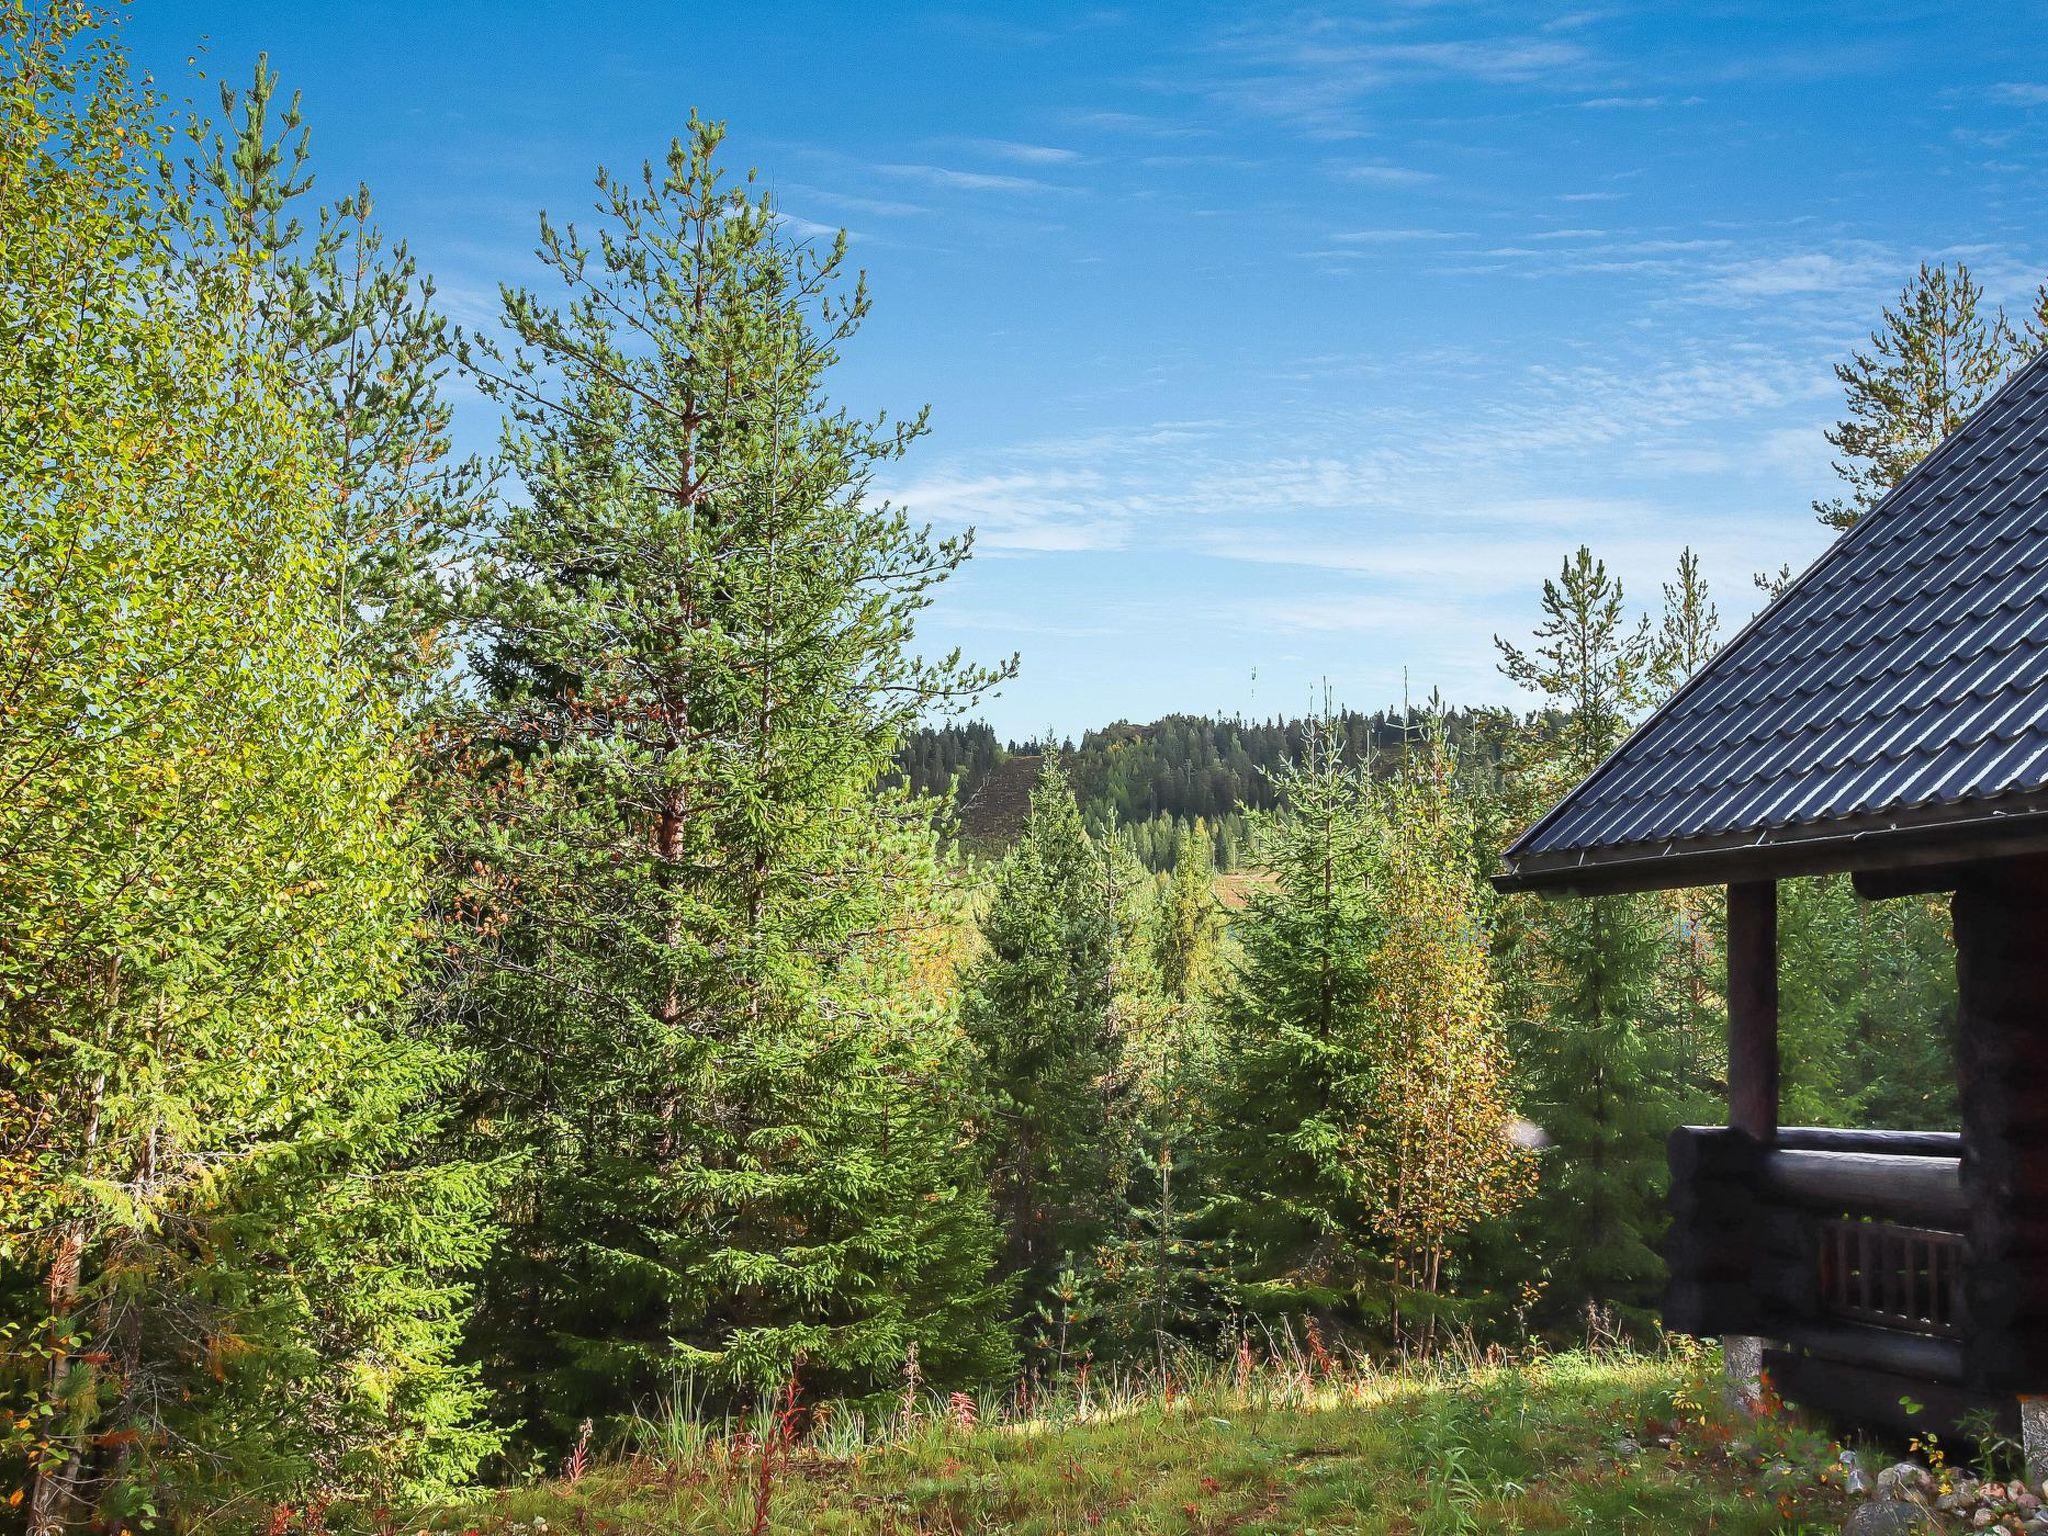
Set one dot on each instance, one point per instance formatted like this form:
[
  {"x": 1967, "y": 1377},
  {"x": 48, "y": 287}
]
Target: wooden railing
[
  {"x": 1890, "y": 1276},
  {"x": 1877, "y": 1219},
  {"x": 1846, "y": 1249}
]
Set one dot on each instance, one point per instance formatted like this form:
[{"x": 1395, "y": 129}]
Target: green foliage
[
  {"x": 1932, "y": 361},
  {"x": 1611, "y": 1065},
  {"x": 699, "y": 961},
  {"x": 1362, "y": 1123},
  {"x": 1301, "y": 1069},
  {"x": 241, "y": 1276},
  {"x": 1038, "y": 1006},
  {"x": 1189, "y": 918},
  {"x": 1591, "y": 668},
  {"x": 1689, "y": 631},
  {"x": 1867, "y": 1008},
  {"x": 364, "y": 348},
  {"x": 1607, "y": 1083}
]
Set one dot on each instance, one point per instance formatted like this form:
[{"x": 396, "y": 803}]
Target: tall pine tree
[
  {"x": 687, "y": 931},
  {"x": 1932, "y": 361},
  {"x": 1604, "y": 1069}
]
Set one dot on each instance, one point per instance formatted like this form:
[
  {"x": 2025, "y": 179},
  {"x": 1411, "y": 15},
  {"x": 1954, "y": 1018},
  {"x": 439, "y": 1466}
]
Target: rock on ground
[{"x": 1889, "y": 1517}]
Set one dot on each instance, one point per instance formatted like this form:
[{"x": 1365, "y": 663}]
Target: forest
[
  {"x": 1146, "y": 784},
  {"x": 487, "y": 946}
]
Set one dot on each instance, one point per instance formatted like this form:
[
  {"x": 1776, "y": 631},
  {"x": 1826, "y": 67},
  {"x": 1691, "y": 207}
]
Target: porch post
[
  {"x": 1753, "y": 1009},
  {"x": 1752, "y": 1072}
]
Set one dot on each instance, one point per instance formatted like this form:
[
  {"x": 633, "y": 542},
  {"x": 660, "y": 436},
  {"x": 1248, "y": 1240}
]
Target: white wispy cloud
[
  {"x": 1320, "y": 71},
  {"x": 1027, "y": 154},
  {"x": 2021, "y": 93},
  {"x": 1803, "y": 272},
  {"x": 1382, "y": 175},
  {"x": 1638, "y": 103},
  {"x": 967, "y": 181},
  {"x": 1035, "y": 508},
  {"x": 1414, "y": 494},
  {"x": 877, "y": 207},
  {"x": 1393, "y": 236},
  {"x": 809, "y": 229},
  {"x": 1140, "y": 124}
]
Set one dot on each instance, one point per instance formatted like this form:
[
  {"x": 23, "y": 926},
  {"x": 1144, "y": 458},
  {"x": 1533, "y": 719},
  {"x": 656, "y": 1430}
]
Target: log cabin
[{"x": 1885, "y": 717}]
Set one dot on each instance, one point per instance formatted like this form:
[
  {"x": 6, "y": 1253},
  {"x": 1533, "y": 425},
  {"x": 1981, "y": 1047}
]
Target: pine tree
[
  {"x": 2033, "y": 333},
  {"x": 687, "y": 932},
  {"x": 231, "y": 1273},
  {"x": 1590, "y": 666},
  {"x": 1604, "y": 1075},
  {"x": 1932, "y": 361},
  {"x": 1694, "y": 976},
  {"x": 1690, "y": 630},
  {"x": 1039, "y": 1008}
]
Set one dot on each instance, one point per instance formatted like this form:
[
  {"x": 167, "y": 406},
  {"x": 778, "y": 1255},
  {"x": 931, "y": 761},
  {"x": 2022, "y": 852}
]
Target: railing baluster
[
  {"x": 1863, "y": 1265},
  {"x": 1889, "y": 1275}
]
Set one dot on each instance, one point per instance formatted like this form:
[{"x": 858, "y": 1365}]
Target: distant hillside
[{"x": 1144, "y": 781}]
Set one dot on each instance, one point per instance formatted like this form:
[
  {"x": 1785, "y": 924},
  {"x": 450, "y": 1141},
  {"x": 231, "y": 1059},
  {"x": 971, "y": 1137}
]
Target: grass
[{"x": 1603, "y": 1442}]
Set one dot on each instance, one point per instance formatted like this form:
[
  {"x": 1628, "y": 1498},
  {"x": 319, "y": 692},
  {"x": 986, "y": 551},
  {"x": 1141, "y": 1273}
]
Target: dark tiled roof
[{"x": 1901, "y": 684}]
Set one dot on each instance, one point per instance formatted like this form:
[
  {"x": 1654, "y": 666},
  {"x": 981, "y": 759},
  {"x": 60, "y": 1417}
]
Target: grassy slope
[{"x": 1493, "y": 1450}]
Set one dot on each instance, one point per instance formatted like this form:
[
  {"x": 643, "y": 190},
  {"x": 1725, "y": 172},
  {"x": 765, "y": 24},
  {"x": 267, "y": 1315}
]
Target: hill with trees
[{"x": 1148, "y": 782}]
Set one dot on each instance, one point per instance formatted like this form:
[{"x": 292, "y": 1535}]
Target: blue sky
[{"x": 1266, "y": 345}]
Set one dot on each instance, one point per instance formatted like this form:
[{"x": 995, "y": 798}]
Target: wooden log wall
[
  {"x": 1709, "y": 1250},
  {"x": 2001, "y": 928}
]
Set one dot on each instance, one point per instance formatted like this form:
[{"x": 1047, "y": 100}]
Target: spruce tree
[
  {"x": 1604, "y": 1071},
  {"x": 1361, "y": 1129},
  {"x": 687, "y": 931},
  {"x": 1188, "y": 916},
  {"x": 1039, "y": 1009},
  {"x": 1299, "y": 1072},
  {"x": 1932, "y": 361}
]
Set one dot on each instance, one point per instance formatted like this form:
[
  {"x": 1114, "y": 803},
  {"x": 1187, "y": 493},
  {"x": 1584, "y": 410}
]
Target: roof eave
[{"x": 1867, "y": 843}]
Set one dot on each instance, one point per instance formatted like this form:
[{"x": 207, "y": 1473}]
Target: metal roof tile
[{"x": 1907, "y": 669}]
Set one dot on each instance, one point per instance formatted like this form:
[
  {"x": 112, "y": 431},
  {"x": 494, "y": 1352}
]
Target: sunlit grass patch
[{"x": 1608, "y": 1442}]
